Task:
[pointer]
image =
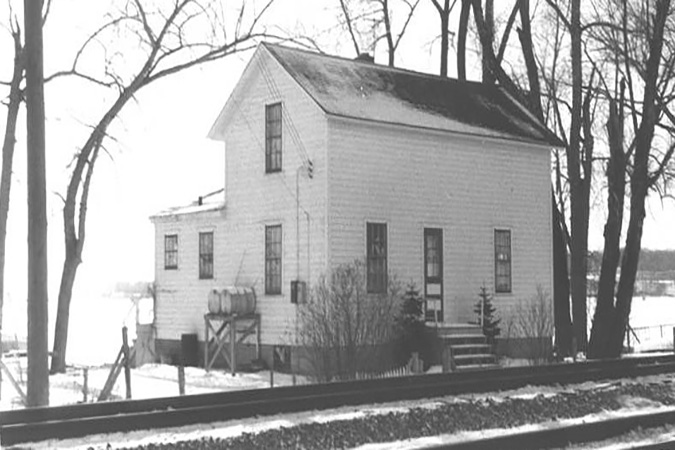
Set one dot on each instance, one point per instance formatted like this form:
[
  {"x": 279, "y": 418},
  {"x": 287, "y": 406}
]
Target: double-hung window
[
  {"x": 273, "y": 138},
  {"x": 205, "y": 255},
  {"x": 502, "y": 261},
  {"x": 376, "y": 257},
  {"x": 273, "y": 259},
  {"x": 170, "y": 252}
]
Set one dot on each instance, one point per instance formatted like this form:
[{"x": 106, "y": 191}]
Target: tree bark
[
  {"x": 604, "y": 314},
  {"x": 8, "y": 146},
  {"x": 38, "y": 374},
  {"x": 461, "y": 40},
  {"x": 579, "y": 202},
  {"x": 444, "y": 14},
  {"x": 488, "y": 75},
  {"x": 387, "y": 30},
  {"x": 561, "y": 286},
  {"x": 525, "y": 37}
]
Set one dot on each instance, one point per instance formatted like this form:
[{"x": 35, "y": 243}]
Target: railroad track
[
  {"x": 61, "y": 422},
  {"x": 563, "y": 436}
]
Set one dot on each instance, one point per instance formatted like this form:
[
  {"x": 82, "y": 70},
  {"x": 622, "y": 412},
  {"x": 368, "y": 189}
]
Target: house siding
[
  {"x": 255, "y": 199},
  {"x": 181, "y": 296},
  {"x": 412, "y": 179}
]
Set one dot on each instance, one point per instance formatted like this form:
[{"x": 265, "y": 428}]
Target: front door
[{"x": 433, "y": 274}]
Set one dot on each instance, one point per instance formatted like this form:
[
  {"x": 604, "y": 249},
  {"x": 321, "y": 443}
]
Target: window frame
[
  {"x": 273, "y": 281},
  {"x": 376, "y": 273},
  {"x": 503, "y": 277},
  {"x": 273, "y": 155},
  {"x": 205, "y": 257},
  {"x": 171, "y": 251}
]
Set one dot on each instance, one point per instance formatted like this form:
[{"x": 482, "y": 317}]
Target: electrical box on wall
[{"x": 298, "y": 291}]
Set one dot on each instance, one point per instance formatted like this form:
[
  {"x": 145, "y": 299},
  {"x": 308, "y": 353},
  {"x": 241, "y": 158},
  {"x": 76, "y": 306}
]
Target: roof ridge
[{"x": 382, "y": 66}]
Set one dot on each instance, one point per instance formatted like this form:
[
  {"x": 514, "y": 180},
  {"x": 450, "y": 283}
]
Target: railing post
[{"x": 127, "y": 369}]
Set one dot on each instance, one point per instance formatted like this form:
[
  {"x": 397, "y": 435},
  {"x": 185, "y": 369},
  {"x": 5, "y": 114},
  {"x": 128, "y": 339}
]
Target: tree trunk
[
  {"x": 616, "y": 190},
  {"x": 579, "y": 202},
  {"x": 488, "y": 75},
  {"x": 561, "y": 287},
  {"x": 387, "y": 29},
  {"x": 38, "y": 374},
  {"x": 8, "y": 145},
  {"x": 70, "y": 266},
  {"x": 461, "y": 40},
  {"x": 525, "y": 37}
]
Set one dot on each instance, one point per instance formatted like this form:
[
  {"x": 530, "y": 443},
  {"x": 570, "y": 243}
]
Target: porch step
[
  {"x": 462, "y": 361},
  {"x": 471, "y": 349}
]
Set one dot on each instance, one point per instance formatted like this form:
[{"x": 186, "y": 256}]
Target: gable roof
[{"x": 367, "y": 91}]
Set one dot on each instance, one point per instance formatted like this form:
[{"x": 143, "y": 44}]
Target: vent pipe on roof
[
  {"x": 200, "y": 200},
  {"x": 365, "y": 57}
]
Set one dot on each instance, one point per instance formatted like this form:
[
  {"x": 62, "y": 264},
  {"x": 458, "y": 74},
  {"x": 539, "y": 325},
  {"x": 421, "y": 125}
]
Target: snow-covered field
[{"x": 148, "y": 381}]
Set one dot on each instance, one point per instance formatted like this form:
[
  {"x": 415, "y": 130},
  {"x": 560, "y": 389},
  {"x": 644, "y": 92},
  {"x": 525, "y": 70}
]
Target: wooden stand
[{"x": 222, "y": 333}]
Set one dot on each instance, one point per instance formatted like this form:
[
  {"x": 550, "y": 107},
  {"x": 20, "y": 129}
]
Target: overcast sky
[{"x": 162, "y": 157}]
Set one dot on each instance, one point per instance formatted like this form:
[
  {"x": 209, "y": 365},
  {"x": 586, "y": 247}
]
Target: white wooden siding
[
  {"x": 255, "y": 199},
  {"x": 181, "y": 295},
  {"x": 467, "y": 186}
]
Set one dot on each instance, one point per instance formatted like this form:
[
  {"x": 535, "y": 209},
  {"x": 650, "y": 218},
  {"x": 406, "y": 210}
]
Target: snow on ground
[
  {"x": 148, "y": 381},
  {"x": 157, "y": 380}
]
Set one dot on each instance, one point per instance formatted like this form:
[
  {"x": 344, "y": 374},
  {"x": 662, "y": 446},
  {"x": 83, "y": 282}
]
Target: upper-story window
[
  {"x": 273, "y": 259},
  {"x": 273, "y": 138},
  {"x": 503, "y": 261},
  {"x": 170, "y": 251},
  {"x": 206, "y": 255},
  {"x": 376, "y": 257}
]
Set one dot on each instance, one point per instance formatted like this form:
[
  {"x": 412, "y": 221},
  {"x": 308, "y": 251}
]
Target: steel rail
[
  {"x": 565, "y": 435},
  {"x": 61, "y": 422}
]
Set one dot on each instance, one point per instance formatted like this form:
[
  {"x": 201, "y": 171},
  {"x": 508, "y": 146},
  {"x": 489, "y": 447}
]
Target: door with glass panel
[{"x": 433, "y": 274}]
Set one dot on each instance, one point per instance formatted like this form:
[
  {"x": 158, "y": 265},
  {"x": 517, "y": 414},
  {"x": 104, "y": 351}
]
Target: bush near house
[
  {"x": 530, "y": 328},
  {"x": 343, "y": 330}
]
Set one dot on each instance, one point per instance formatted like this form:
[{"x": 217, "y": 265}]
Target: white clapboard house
[{"x": 329, "y": 160}]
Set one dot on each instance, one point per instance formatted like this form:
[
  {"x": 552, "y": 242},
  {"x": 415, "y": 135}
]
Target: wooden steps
[{"x": 465, "y": 347}]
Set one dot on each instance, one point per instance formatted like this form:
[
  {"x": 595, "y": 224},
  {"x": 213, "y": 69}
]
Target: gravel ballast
[{"x": 448, "y": 417}]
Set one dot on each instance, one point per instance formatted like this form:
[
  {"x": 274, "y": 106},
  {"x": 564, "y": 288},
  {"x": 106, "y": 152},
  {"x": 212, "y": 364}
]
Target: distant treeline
[
  {"x": 655, "y": 261},
  {"x": 132, "y": 288}
]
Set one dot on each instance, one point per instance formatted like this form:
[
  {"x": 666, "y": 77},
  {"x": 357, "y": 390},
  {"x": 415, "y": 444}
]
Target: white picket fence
[{"x": 414, "y": 366}]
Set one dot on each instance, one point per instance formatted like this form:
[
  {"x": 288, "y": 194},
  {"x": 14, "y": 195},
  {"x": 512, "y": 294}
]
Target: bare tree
[
  {"x": 14, "y": 100},
  {"x": 342, "y": 329},
  {"x": 639, "y": 46},
  {"x": 169, "y": 38},
  {"x": 444, "y": 11},
  {"x": 375, "y": 19}
]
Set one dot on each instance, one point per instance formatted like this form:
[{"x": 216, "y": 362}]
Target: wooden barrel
[
  {"x": 238, "y": 300},
  {"x": 215, "y": 301}
]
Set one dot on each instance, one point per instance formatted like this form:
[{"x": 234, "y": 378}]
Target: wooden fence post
[
  {"x": 127, "y": 369},
  {"x": 85, "y": 384},
  {"x": 181, "y": 379}
]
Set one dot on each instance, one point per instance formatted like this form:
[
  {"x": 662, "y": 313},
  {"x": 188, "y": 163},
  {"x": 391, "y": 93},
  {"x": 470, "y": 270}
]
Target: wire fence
[{"x": 650, "y": 338}]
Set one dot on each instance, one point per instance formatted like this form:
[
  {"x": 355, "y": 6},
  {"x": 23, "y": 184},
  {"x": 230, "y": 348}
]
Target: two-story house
[{"x": 328, "y": 160}]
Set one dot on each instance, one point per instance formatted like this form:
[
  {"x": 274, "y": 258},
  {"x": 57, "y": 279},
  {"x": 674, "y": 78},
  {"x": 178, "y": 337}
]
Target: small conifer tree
[
  {"x": 410, "y": 321},
  {"x": 490, "y": 322}
]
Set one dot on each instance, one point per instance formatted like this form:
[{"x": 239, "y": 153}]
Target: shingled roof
[{"x": 364, "y": 90}]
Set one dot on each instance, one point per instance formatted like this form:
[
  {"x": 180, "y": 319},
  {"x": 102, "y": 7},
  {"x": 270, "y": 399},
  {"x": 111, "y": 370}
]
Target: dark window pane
[
  {"x": 273, "y": 127},
  {"x": 171, "y": 251},
  {"x": 376, "y": 250},
  {"x": 273, "y": 259},
  {"x": 205, "y": 255},
  {"x": 503, "y": 261}
]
